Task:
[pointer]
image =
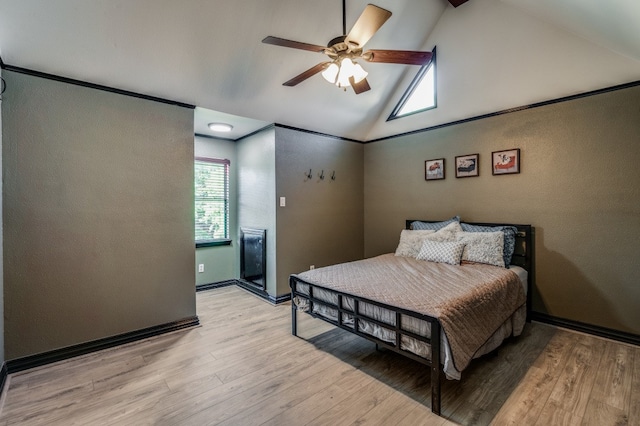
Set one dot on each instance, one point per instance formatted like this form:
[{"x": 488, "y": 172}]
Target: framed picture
[
  {"x": 434, "y": 169},
  {"x": 505, "y": 162},
  {"x": 467, "y": 165}
]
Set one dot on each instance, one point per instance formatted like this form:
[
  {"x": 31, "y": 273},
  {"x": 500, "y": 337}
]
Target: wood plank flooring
[{"x": 243, "y": 367}]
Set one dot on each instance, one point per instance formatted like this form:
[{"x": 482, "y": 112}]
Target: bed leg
[
  {"x": 294, "y": 319},
  {"x": 436, "y": 385},
  {"x": 435, "y": 390}
]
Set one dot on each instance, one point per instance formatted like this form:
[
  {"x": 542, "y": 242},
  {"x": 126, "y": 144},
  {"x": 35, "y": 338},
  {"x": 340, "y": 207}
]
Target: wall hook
[
  {"x": 333, "y": 175},
  {"x": 3, "y": 87},
  {"x": 308, "y": 175},
  {"x": 321, "y": 175}
]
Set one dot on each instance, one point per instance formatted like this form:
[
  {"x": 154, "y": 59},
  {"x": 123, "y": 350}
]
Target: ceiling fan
[{"x": 343, "y": 50}]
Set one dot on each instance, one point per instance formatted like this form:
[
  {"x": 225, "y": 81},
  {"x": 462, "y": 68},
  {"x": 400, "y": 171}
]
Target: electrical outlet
[
  {"x": 201, "y": 267},
  {"x": 312, "y": 267}
]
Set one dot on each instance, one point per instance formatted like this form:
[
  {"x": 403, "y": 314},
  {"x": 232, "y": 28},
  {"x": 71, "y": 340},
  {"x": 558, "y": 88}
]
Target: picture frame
[
  {"x": 468, "y": 165},
  {"x": 505, "y": 162},
  {"x": 434, "y": 169}
]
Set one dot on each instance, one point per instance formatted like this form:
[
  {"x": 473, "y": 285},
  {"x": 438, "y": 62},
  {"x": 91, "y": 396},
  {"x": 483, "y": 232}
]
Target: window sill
[{"x": 213, "y": 243}]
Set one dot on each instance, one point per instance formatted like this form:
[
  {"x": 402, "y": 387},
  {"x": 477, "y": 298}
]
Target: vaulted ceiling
[{"x": 493, "y": 55}]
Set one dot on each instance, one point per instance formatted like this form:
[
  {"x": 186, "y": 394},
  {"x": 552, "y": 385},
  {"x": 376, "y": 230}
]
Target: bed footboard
[{"x": 352, "y": 316}]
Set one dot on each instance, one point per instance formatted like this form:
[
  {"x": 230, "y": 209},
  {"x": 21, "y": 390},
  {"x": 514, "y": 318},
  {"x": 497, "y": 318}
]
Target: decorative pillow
[
  {"x": 509, "y": 237},
  {"x": 442, "y": 252},
  {"x": 448, "y": 233},
  {"x": 483, "y": 247},
  {"x": 417, "y": 225},
  {"x": 411, "y": 242}
]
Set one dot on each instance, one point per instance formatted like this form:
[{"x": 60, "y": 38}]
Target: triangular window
[{"x": 421, "y": 93}]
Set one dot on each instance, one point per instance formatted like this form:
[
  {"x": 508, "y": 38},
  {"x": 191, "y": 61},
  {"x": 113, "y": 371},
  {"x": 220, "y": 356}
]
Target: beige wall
[
  {"x": 98, "y": 214},
  {"x": 322, "y": 221},
  {"x": 579, "y": 186},
  {"x": 221, "y": 263}
]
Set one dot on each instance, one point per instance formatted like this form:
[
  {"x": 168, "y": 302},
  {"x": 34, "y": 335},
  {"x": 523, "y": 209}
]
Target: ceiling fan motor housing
[{"x": 338, "y": 48}]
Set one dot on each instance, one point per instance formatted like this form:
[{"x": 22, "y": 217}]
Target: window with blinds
[{"x": 211, "y": 200}]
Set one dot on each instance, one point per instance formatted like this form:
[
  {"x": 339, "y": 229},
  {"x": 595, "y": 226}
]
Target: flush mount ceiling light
[{"x": 220, "y": 127}]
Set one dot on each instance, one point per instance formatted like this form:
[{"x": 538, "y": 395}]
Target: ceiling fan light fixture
[
  {"x": 220, "y": 127},
  {"x": 346, "y": 71},
  {"x": 359, "y": 73},
  {"x": 331, "y": 73}
]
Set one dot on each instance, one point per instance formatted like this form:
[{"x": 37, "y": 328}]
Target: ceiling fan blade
[
  {"x": 306, "y": 74},
  {"x": 293, "y": 44},
  {"x": 456, "y": 3},
  {"x": 409, "y": 57},
  {"x": 361, "y": 86},
  {"x": 367, "y": 24}
]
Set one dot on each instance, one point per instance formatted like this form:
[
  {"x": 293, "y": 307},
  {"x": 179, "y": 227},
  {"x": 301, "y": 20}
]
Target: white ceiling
[{"x": 492, "y": 55}]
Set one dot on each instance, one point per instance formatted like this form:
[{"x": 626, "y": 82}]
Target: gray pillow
[
  {"x": 417, "y": 225},
  {"x": 509, "y": 237}
]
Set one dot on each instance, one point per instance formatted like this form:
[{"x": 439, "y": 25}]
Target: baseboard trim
[
  {"x": 280, "y": 299},
  {"x": 274, "y": 300},
  {"x": 3, "y": 377},
  {"x": 211, "y": 286},
  {"x": 595, "y": 330},
  {"x": 32, "y": 361},
  {"x": 25, "y": 363}
]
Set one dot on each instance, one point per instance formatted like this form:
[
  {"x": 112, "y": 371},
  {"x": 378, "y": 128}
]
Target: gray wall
[
  {"x": 257, "y": 193},
  {"x": 321, "y": 223},
  {"x": 221, "y": 263},
  {"x": 98, "y": 217},
  {"x": 579, "y": 186}
]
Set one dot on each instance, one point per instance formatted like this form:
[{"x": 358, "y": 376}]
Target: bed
[{"x": 440, "y": 314}]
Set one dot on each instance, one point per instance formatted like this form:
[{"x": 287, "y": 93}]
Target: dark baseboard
[
  {"x": 595, "y": 330},
  {"x": 263, "y": 294},
  {"x": 251, "y": 288},
  {"x": 210, "y": 286},
  {"x": 19, "y": 364},
  {"x": 3, "y": 376},
  {"x": 280, "y": 299},
  {"x": 32, "y": 361}
]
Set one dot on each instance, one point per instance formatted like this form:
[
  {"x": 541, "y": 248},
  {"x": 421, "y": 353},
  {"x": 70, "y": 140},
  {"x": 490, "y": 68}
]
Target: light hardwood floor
[{"x": 243, "y": 367}]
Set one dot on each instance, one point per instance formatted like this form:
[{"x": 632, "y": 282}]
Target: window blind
[{"x": 211, "y": 199}]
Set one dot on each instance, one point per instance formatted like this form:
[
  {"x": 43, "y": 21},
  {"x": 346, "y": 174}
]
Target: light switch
[{"x": 283, "y": 201}]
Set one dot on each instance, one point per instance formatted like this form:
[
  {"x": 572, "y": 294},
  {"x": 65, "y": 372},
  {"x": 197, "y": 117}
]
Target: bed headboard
[{"x": 523, "y": 254}]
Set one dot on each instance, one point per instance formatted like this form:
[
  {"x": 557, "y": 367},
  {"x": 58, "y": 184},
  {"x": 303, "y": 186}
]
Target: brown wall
[
  {"x": 322, "y": 221},
  {"x": 98, "y": 218},
  {"x": 579, "y": 186}
]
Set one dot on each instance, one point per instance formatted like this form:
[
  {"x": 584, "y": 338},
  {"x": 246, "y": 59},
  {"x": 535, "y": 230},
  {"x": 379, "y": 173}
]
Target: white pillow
[
  {"x": 442, "y": 252},
  {"x": 411, "y": 241},
  {"x": 483, "y": 247}
]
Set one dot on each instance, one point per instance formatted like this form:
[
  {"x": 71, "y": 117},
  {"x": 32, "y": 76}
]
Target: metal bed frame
[{"x": 523, "y": 256}]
